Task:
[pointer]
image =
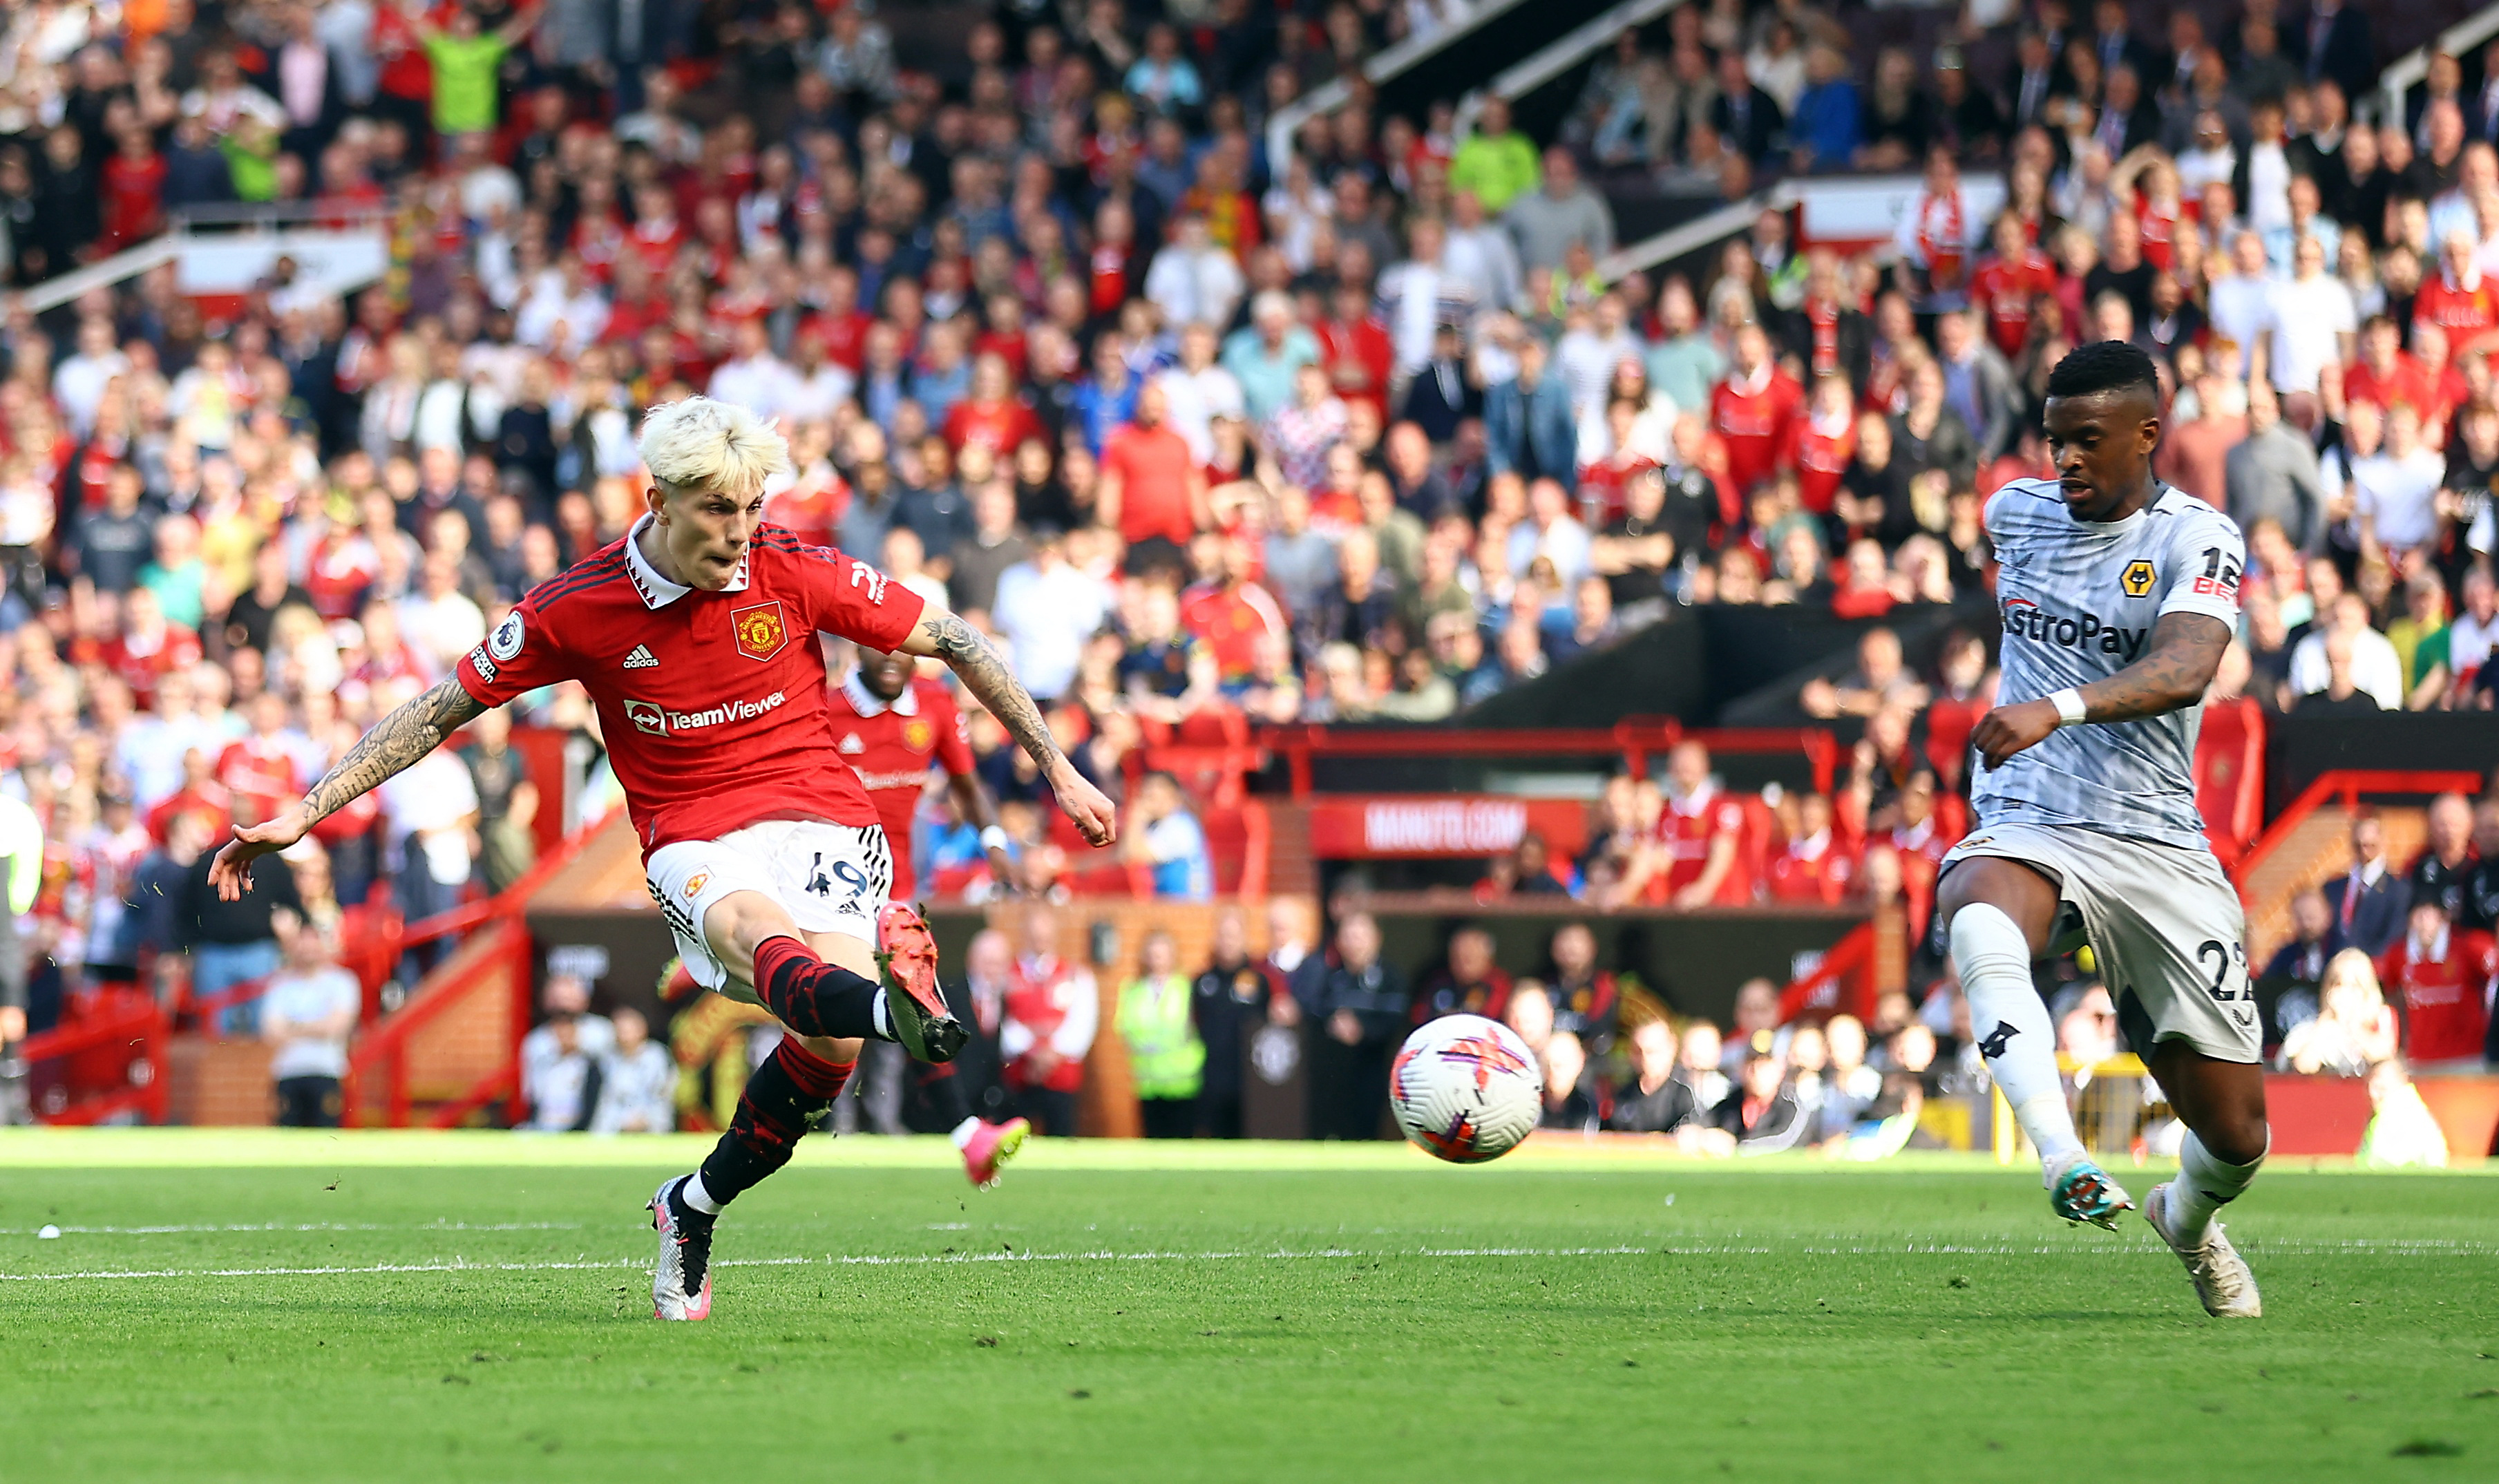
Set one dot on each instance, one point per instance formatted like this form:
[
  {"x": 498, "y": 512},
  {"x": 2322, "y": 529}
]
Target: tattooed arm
[
  {"x": 396, "y": 741},
  {"x": 2176, "y": 669},
  {"x": 946, "y": 636}
]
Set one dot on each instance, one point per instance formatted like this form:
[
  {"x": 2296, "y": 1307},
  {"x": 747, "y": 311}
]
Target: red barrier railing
[
  {"x": 205, "y": 1011},
  {"x": 133, "y": 1020},
  {"x": 1843, "y": 984},
  {"x": 1634, "y": 740},
  {"x": 2345, "y": 786},
  {"x": 383, "y": 1050}
]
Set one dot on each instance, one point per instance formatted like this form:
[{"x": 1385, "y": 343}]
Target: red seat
[
  {"x": 1949, "y": 723},
  {"x": 2229, "y": 776}
]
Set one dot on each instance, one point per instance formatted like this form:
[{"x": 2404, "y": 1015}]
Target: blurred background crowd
[{"x": 1203, "y": 434}]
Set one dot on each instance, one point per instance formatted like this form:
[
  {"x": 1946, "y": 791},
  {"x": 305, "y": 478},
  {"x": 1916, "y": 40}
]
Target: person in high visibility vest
[{"x": 1166, "y": 1059}]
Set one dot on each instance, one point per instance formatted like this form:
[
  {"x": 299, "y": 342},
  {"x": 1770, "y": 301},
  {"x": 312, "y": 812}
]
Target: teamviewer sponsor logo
[
  {"x": 2024, "y": 619},
  {"x": 659, "y": 721},
  {"x": 725, "y": 711}
]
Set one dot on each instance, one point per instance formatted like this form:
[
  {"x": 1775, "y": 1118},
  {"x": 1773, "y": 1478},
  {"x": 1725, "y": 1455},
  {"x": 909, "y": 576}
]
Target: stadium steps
[{"x": 2317, "y": 852}]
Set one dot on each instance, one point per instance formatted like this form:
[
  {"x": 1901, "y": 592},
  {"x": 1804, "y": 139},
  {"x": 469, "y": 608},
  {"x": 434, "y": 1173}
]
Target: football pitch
[{"x": 257, "y": 1306}]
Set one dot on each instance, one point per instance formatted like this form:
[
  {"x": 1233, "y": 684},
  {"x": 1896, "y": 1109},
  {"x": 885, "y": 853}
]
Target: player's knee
[
  {"x": 2236, "y": 1137},
  {"x": 738, "y": 923},
  {"x": 2021, "y": 896}
]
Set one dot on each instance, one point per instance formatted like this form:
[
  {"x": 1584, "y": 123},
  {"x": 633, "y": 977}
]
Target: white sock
[
  {"x": 884, "y": 1015},
  {"x": 2011, "y": 1023},
  {"x": 696, "y": 1196},
  {"x": 964, "y": 1131},
  {"x": 2204, "y": 1186}
]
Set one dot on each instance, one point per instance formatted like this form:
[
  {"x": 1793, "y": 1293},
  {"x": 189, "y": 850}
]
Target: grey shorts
[{"x": 2164, "y": 922}]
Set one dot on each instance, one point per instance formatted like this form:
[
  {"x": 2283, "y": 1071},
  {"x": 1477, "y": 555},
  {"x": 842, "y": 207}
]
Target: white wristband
[
  {"x": 993, "y": 838},
  {"x": 2070, "y": 711}
]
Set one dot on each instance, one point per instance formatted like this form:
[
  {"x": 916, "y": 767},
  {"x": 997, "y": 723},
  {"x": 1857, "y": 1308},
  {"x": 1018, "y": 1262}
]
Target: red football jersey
[
  {"x": 2464, "y": 313},
  {"x": 2404, "y": 383},
  {"x": 1229, "y": 622},
  {"x": 1814, "y": 870},
  {"x": 1757, "y": 420},
  {"x": 890, "y": 749},
  {"x": 262, "y": 771},
  {"x": 1690, "y": 827},
  {"x": 2446, "y": 999},
  {"x": 713, "y": 703},
  {"x": 2004, "y": 288}
]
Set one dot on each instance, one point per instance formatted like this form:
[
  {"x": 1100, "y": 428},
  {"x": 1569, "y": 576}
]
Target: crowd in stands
[
  {"x": 1364, "y": 432},
  {"x": 1613, "y": 1056}
]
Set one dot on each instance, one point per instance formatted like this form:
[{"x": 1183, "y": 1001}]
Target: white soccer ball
[{"x": 1466, "y": 1088}]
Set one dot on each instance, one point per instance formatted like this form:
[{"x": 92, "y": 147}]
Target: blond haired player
[{"x": 694, "y": 635}]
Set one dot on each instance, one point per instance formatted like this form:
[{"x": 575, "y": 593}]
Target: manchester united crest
[
  {"x": 918, "y": 735},
  {"x": 758, "y": 631}
]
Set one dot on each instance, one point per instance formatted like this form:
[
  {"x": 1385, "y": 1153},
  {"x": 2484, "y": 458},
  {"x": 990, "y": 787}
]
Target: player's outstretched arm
[
  {"x": 947, "y": 637},
  {"x": 2175, "y": 670},
  {"x": 396, "y": 741}
]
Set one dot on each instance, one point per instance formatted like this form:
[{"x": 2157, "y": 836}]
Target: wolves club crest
[{"x": 758, "y": 631}]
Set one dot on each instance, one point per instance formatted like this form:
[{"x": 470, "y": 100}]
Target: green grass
[{"x": 385, "y": 1307}]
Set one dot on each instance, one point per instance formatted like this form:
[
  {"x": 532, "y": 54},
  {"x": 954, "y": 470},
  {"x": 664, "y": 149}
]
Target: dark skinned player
[{"x": 2120, "y": 595}]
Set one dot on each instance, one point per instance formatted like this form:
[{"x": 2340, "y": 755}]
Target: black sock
[
  {"x": 813, "y": 997},
  {"x": 785, "y": 1096}
]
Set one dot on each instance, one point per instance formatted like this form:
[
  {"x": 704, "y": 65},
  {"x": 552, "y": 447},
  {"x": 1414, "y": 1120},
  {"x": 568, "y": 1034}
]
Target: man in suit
[
  {"x": 2114, "y": 41},
  {"x": 2036, "y": 78},
  {"x": 2127, "y": 117},
  {"x": 2370, "y": 901},
  {"x": 1745, "y": 117},
  {"x": 2482, "y": 119},
  {"x": 2336, "y": 44},
  {"x": 976, "y": 998}
]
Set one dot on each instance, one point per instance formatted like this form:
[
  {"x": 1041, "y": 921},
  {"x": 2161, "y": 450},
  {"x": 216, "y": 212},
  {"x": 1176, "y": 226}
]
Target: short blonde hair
[{"x": 701, "y": 444}]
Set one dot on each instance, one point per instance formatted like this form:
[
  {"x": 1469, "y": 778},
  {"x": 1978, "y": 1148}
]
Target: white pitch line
[
  {"x": 2399, "y": 1248},
  {"x": 302, "y": 1226},
  {"x": 462, "y": 1264}
]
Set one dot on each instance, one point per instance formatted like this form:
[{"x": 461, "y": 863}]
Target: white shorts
[
  {"x": 829, "y": 878},
  {"x": 2164, "y": 922}
]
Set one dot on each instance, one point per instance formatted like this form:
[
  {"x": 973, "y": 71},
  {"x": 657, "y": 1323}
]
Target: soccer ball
[{"x": 1466, "y": 1088}]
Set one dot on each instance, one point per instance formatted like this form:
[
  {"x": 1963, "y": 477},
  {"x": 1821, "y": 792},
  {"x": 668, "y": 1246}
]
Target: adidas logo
[
  {"x": 641, "y": 659},
  {"x": 853, "y": 744}
]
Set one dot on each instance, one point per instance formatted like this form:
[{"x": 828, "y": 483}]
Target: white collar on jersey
[
  {"x": 866, "y": 703},
  {"x": 658, "y": 591}
]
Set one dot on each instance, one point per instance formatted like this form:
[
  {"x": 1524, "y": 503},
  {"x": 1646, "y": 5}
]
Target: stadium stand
[{"x": 1510, "y": 493}]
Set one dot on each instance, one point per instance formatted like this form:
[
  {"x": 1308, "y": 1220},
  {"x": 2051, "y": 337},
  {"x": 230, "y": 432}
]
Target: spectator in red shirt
[
  {"x": 1826, "y": 441},
  {"x": 1755, "y": 411},
  {"x": 1354, "y": 348},
  {"x": 840, "y": 321},
  {"x": 1150, "y": 490},
  {"x": 1694, "y": 857},
  {"x": 2009, "y": 283},
  {"x": 993, "y": 415},
  {"x": 1810, "y": 866},
  {"x": 259, "y": 772},
  {"x": 1865, "y": 587},
  {"x": 1231, "y": 614},
  {"x": 2441, "y": 977},
  {"x": 2458, "y": 299},
  {"x": 148, "y": 646},
  {"x": 2385, "y": 376},
  {"x": 134, "y": 185}
]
